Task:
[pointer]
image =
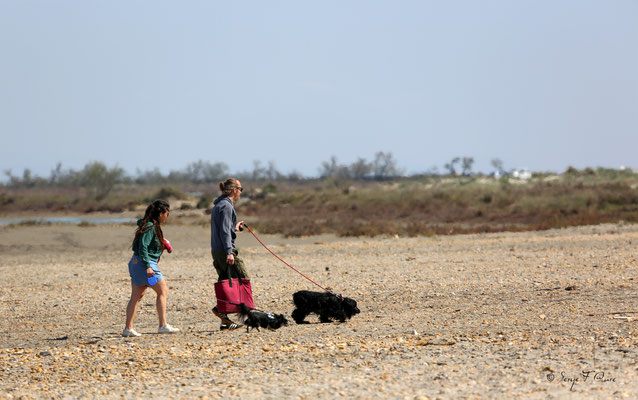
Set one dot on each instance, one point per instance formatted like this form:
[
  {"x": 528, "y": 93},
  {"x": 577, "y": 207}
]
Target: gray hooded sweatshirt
[{"x": 222, "y": 225}]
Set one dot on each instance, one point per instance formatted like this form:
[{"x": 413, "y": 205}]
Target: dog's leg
[
  {"x": 299, "y": 316},
  {"x": 324, "y": 318},
  {"x": 341, "y": 316}
]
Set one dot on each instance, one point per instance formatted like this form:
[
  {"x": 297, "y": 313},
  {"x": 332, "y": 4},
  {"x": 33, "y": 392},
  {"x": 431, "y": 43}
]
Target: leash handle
[{"x": 290, "y": 266}]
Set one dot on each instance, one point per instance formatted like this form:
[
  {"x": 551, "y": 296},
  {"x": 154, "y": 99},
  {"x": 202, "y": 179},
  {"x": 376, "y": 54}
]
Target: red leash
[{"x": 280, "y": 259}]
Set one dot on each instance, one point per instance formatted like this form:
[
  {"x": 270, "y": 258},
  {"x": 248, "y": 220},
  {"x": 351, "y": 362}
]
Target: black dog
[
  {"x": 327, "y": 305},
  {"x": 259, "y": 319}
]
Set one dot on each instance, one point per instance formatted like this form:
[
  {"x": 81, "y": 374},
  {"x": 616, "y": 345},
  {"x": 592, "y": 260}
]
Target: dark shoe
[
  {"x": 229, "y": 327},
  {"x": 227, "y": 323}
]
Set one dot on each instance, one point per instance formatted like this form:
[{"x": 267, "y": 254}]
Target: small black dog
[
  {"x": 259, "y": 319},
  {"x": 327, "y": 305}
]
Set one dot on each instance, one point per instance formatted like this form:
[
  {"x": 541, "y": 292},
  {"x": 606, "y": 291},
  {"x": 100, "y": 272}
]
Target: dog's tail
[{"x": 244, "y": 311}]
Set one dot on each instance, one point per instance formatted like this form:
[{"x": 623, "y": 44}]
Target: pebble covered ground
[{"x": 550, "y": 314}]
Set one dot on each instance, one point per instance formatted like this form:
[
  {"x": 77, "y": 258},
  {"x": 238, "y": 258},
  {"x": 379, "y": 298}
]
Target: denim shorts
[{"x": 137, "y": 270}]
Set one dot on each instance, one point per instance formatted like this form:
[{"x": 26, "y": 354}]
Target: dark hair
[
  {"x": 228, "y": 186},
  {"x": 152, "y": 215}
]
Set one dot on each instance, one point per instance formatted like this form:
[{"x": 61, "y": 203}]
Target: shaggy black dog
[
  {"x": 259, "y": 319},
  {"x": 327, "y": 305}
]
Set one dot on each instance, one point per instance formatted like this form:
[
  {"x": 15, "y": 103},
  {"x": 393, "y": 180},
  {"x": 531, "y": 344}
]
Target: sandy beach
[{"x": 551, "y": 314}]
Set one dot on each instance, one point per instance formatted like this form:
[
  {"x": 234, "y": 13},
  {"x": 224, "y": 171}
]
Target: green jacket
[{"x": 147, "y": 247}]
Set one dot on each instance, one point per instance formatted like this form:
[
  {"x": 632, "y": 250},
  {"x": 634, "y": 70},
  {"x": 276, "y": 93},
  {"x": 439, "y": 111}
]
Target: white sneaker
[
  {"x": 130, "y": 333},
  {"x": 167, "y": 329}
]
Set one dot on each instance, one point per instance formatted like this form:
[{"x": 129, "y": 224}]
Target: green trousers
[{"x": 237, "y": 270}]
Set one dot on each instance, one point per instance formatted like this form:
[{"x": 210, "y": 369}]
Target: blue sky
[{"x": 144, "y": 84}]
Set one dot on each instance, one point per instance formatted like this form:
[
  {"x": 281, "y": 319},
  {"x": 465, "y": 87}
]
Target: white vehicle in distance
[{"x": 523, "y": 174}]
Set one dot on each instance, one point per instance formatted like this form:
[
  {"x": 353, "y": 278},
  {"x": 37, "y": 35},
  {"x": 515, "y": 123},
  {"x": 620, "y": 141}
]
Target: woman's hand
[
  {"x": 240, "y": 226},
  {"x": 150, "y": 272}
]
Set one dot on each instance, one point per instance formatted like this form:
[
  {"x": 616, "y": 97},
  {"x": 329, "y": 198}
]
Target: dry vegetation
[{"x": 405, "y": 207}]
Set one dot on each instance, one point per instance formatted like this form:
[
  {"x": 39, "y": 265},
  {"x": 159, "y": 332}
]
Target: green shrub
[
  {"x": 168, "y": 192},
  {"x": 269, "y": 188},
  {"x": 205, "y": 201}
]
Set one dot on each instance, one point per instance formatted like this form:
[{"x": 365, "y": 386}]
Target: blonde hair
[{"x": 228, "y": 186}]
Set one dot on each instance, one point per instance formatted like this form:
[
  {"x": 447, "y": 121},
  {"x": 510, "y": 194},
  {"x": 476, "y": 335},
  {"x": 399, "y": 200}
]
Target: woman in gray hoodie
[{"x": 223, "y": 225}]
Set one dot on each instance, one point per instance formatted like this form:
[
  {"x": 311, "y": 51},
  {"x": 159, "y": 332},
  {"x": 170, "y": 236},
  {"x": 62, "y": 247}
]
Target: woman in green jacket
[{"x": 148, "y": 245}]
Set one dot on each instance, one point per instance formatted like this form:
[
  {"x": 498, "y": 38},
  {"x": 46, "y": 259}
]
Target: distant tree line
[
  {"x": 383, "y": 167},
  {"x": 96, "y": 176},
  {"x": 99, "y": 179}
]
